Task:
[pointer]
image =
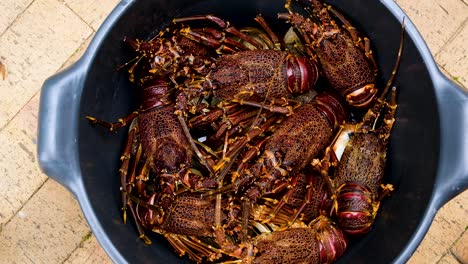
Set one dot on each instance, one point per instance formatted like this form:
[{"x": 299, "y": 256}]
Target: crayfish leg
[
  {"x": 211, "y": 41},
  {"x": 291, "y": 185},
  {"x": 195, "y": 148},
  {"x": 246, "y": 205},
  {"x": 193, "y": 247},
  {"x": 206, "y": 118},
  {"x": 286, "y": 110},
  {"x": 121, "y": 122},
  {"x": 323, "y": 167},
  {"x": 258, "y": 127},
  {"x": 276, "y": 42},
  {"x": 223, "y": 25},
  {"x": 139, "y": 227},
  {"x": 181, "y": 248},
  {"x": 252, "y": 152},
  {"x": 131, "y": 149},
  {"x": 307, "y": 199}
]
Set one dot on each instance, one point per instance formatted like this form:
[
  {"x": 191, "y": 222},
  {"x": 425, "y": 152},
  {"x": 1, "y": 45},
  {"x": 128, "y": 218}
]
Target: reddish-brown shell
[
  {"x": 163, "y": 140},
  {"x": 295, "y": 245},
  {"x": 322, "y": 242},
  {"x": 300, "y": 137},
  {"x": 191, "y": 216},
  {"x": 267, "y": 74},
  {"x": 358, "y": 177},
  {"x": 346, "y": 67},
  {"x": 308, "y": 131},
  {"x": 363, "y": 161}
]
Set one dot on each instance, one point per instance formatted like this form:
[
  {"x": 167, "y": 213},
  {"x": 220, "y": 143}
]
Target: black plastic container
[{"x": 427, "y": 154}]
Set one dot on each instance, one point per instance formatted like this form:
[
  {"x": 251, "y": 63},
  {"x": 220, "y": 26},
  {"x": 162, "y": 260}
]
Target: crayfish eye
[{"x": 302, "y": 74}]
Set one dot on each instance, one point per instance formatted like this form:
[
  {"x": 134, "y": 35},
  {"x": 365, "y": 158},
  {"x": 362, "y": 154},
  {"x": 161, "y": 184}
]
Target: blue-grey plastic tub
[{"x": 427, "y": 154}]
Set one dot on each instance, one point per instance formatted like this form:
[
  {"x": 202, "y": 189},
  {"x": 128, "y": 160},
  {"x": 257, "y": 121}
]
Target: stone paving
[{"x": 40, "y": 221}]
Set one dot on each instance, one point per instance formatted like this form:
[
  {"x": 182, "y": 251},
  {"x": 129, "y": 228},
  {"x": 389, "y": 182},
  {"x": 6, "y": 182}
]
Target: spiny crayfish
[
  {"x": 357, "y": 187},
  {"x": 345, "y": 56},
  {"x": 259, "y": 73},
  {"x": 166, "y": 67},
  {"x": 225, "y": 160},
  {"x": 260, "y": 69},
  {"x": 359, "y": 154},
  {"x": 321, "y": 241}
]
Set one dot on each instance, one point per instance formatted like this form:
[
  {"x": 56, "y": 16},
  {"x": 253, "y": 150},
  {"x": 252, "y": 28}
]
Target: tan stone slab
[
  {"x": 46, "y": 230},
  {"x": 79, "y": 52},
  {"x": 19, "y": 167},
  {"x": 34, "y": 48},
  {"x": 460, "y": 249},
  {"x": 456, "y": 212},
  {"x": 11, "y": 9},
  {"x": 437, "y": 20},
  {"x": 89, "y": 251},
  {"x": 449, "y": 223},
  {"x": 93, "y": 12},
  {"x": 448, "y": 259},
  {"x": 454, "y": 56},
  {"x": 436, "y": 243},
  {"x": 20, "y": 175}
]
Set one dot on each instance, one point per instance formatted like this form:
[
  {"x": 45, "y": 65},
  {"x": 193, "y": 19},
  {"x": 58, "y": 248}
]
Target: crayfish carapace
[{"x": 236, "y": 143}]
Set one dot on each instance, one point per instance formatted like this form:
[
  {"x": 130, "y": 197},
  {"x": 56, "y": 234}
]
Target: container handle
[
  {"x": 58, "y": 126},
  {"x": 452, "y": 176}
]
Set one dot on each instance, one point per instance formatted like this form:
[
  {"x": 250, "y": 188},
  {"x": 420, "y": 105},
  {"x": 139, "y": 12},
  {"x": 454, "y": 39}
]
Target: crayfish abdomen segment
[
  {"x": 164, "y": 142},
  {"x": 358, "y": 177},
  {"x": 355, "y": 210}
]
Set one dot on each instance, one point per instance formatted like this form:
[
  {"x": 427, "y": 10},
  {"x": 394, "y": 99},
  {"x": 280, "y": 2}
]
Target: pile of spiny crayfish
[{"x": 243, "y": 149}]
